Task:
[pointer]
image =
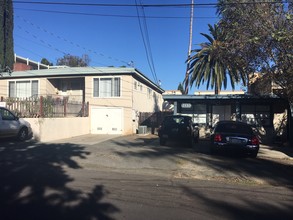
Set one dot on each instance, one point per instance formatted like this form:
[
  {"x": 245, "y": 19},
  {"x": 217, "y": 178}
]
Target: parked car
[
  {"x": 178, "y": 128},
  {"x": 12, "y": 126},
  {"x": 234, "y": 136}
]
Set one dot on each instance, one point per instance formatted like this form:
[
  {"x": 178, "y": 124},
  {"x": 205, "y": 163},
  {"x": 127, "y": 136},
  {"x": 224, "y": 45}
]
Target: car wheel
[
  {"x": 213, "y": 150},
  {"x": 22, "y": 134},
  {"x": 253, "y": 155},
  {"x": 190, "y": 142},
  {"x": 162, "y": 141}
]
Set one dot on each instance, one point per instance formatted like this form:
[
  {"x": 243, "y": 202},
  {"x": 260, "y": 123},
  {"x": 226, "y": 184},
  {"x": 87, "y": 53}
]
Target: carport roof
[{"x": 218, "y": 98}]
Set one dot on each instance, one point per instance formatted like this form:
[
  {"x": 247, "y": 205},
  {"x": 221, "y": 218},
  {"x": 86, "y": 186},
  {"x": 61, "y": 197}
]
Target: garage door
[{"x": 106, "y": 120}]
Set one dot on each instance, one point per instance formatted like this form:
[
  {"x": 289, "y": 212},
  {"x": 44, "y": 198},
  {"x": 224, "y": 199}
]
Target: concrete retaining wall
[{"x": 50, "y": 129}]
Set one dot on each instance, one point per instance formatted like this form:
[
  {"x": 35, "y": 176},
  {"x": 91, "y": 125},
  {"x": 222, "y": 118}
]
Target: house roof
[{"x": 65, "y": 72}]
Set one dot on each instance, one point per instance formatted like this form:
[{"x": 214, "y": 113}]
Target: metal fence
[{"x": 46, "y": 107}]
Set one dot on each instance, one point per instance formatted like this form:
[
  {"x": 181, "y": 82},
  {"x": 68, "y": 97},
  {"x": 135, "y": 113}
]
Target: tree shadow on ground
[
  {"x": 234, "y": 165},
  {"x": 242, "y": 203},
  {"x": 33, "y": 183}
]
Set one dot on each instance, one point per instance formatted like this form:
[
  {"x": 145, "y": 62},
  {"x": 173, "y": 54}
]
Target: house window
[
  {"x": 135, "y": 85},
  {"x": 107, "y": 87},
  {"x": 23, "y": 89},
  {"x": 149, "y": 93},
  {"x": 258, "y": 115}
]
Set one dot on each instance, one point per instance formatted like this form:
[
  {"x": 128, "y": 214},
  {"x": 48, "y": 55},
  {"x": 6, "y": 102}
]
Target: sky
[{"x": 115, "y": 35}]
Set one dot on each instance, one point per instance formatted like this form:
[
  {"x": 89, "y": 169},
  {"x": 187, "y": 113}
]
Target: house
[
  {"x": 22, "y": 64},
  {"x": 116, "y": 96}
]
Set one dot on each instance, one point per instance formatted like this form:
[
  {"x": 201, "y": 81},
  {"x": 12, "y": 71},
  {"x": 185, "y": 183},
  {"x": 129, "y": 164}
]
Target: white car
[{"x": 12, "y": 126}]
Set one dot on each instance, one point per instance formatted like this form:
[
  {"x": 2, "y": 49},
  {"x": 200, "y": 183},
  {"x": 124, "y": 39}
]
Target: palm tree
[{"x": 210, "y": 64}]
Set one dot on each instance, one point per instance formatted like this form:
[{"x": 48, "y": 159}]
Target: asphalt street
[
  {"x": 132, "y": 177},
  {"x": 142, "y": 154}
]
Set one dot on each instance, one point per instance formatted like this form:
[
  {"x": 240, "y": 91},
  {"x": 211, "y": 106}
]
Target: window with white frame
[
  {"x": 149, "y": 93},
  {"x": 23, "y": 88},
  {"x": 107, "y": 87}
]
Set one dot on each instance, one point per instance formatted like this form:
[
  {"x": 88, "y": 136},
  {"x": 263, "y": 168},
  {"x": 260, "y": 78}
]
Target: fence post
[
  {"x": 64, "y": 105},
  {"x": 41, "y": 106},
  {"x": 82, "y": 109},
  {"x": 87, "y": 109}
]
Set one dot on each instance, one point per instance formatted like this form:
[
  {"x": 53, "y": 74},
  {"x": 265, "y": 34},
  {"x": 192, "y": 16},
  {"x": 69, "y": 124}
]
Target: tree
[
  {"x": 180, "y": 88},
  {"x": 211, "y": 64},
  {"x": 74, "y": 61},
  {"x": 6, "y": 35},
  {"x": 260, "y": 33},
  {"x": 46, "y": 62}
]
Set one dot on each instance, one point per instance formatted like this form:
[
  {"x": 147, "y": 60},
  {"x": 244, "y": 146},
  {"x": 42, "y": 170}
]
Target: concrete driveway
[{"x": 142, "y": 154}]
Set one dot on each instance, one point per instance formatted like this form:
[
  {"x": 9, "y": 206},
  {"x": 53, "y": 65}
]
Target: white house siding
[
  {"x": 132, "y": 101},
  {"x": 3, "y": 88},
  {"x": 143, "y": 101},
  {"x": 123, "y": 102}
]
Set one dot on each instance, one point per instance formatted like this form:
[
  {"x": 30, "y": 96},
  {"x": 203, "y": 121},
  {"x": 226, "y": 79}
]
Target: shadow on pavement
[
  {"x": 270, "y": 171},
  {"x": 33, "y": 183},
  {"x": 230, "y": 203}
]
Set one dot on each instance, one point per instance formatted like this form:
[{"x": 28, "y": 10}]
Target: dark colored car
[
  {"x": 178, "y": 128},
  {"x": 234, "y": 136}
]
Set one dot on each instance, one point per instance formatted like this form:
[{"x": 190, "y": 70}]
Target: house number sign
[{"x": 186, "y": 105}]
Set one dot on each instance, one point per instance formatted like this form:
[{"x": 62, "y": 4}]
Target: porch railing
[{"x": 46, "y": 106}]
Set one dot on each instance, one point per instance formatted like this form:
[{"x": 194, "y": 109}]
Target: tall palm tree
[{"x": 211, "y": 65}]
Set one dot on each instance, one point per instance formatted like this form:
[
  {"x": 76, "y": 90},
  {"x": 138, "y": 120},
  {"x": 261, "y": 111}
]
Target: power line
[
  {"x": 146, "y": 44},
  {"x": 115, "y": 15},
  {"x": 145, "y": 5},
  {"x": 65, "y": 40}
]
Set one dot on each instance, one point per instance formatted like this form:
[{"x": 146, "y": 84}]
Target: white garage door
[{"x": 106, "y": 120}]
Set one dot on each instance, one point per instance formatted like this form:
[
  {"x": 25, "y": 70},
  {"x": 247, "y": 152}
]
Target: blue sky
[{"x": 111, "y": 36}]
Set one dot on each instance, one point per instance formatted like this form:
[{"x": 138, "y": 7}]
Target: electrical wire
[
  {"x": 63, "y": 39},
  {"x": 114, "y": 15},
  {"x": 145, "y": 5},
  {"x": 146, "y": 45}
]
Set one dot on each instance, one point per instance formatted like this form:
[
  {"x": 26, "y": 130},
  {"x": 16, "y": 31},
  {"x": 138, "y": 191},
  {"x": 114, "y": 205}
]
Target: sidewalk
[{"x": 277, "y": 152}]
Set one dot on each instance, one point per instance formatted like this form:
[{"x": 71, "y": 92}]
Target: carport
[{"x": 267, "y": 114}]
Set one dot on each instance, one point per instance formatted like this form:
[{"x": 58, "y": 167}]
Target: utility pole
[{"x": 186, "y": 80}]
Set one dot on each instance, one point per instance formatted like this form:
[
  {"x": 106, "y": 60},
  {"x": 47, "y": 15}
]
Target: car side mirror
[{"x": 16, "y": 118}]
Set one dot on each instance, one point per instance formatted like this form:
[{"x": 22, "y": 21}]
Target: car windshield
[
  {"x": 234, "y": 128},
  {"x": 174, "y": 120}
]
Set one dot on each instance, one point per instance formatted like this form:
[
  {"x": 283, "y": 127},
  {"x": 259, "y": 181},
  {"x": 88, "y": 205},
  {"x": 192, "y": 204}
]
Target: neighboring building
[
  {"x": 116, "y": 96},
  {"x": 222, "y": 92},
  {"x": 268, "y": 114},
  {"x": 172, "y": 92},
  {"x": 22, "y": 64}
]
